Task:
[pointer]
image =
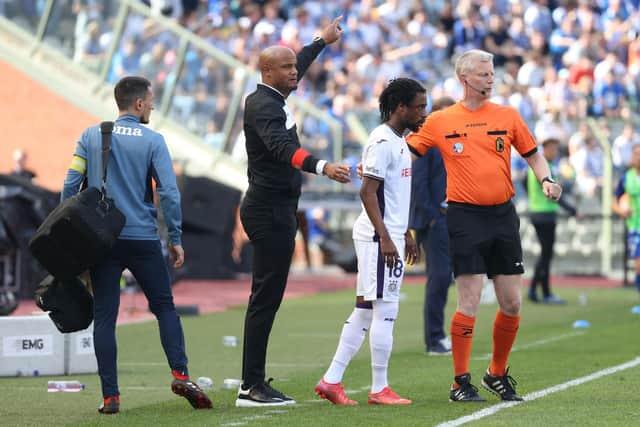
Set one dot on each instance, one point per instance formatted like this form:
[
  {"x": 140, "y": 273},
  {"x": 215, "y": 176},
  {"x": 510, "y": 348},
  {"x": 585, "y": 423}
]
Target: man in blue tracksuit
[
  {"x": 138, "y": 156},
  {"x": 428, "y": 219}
]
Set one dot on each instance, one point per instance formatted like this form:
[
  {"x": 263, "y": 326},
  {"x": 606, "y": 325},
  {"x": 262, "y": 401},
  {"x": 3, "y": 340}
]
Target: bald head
[
  {"x": 273, "y": 54},
  {"x": 278, "y": 68}
]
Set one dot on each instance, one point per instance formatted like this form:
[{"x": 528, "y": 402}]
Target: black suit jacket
[
  {"x": 428, "y": 189},
  {"x": 272, "y": 139}
]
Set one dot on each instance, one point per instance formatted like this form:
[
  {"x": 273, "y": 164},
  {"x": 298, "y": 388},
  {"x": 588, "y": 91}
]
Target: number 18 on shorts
[{"x": 375, "y": 279}]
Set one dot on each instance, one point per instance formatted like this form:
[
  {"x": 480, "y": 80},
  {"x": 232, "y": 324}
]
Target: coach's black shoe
[
  {"x": 262, "y": 394},
  {"x": 503, "y": 387},
  {"x": 277, "y": 393},
  {"x": 553, "y": 300},
  {"x": 466, "y": 392},
  {"x": 438, "y": 349}
]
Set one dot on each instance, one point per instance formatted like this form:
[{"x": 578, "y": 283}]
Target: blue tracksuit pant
[{"x": 145, "y": 261}]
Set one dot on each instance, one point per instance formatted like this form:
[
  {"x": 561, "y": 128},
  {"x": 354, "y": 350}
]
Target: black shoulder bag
[
  {"x": 68, "y": 302},
  {"x": 80, "y": 231}
]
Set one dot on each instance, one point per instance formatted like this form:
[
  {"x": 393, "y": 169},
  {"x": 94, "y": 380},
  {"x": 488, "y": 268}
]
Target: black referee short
[{"x": 484, "y": 239}]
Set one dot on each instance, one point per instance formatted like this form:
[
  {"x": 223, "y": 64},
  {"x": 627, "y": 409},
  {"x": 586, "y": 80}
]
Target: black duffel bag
[
  {"x": 69, "y": 303},
  {"x": 80, "y": 231}
]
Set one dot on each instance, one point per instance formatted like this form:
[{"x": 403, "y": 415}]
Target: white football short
[{"x": 376, "y": 280}]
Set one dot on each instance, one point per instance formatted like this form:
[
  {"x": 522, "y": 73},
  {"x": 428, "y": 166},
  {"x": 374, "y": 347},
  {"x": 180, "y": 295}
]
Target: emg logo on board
[{"x": 27, "y": 345}]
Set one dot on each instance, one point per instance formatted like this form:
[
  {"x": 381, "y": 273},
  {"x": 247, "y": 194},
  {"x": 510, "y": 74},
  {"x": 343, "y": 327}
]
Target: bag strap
[{"x": 105, "y": 129}]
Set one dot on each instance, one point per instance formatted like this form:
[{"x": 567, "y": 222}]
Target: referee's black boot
[
  {"x": 502, "y": 386},
  {"x": 465, "y": 392}
]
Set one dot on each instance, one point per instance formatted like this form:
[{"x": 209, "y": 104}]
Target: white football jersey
[{"x": 386, "y": 158}]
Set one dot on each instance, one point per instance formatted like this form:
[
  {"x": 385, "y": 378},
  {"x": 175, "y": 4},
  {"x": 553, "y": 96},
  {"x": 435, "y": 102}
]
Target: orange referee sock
[
  {"x": 461, "y": 340},
  {"x": 505, "y": 328}
]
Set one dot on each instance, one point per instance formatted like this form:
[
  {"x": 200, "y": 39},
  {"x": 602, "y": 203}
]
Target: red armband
[{"x": 298, "y": 158}]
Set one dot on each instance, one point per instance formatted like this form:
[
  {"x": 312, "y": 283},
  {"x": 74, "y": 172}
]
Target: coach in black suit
[{"x": 268, "y": 211}]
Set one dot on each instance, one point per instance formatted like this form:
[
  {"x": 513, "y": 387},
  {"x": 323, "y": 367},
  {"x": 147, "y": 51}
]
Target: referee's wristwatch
[
  {"x": 548, "y": 179},
  {"x": 320, "y": 40}
]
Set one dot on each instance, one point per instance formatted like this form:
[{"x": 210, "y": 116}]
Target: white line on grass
[
  {"x": 256, "y": 417},
  {"x": 249, "y": 418},
  {"x": 541, "y": 393},
  {"x": 358, "y": 390},
  {"x": 535, "y": 344}
]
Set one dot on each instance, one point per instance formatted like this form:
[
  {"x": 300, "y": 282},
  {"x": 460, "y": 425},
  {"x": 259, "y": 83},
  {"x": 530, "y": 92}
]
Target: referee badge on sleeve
[{"x": 499, "y": 144}]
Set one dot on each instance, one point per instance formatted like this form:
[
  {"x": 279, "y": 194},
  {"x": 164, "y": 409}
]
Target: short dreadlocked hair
[{"x": 399, "y": 91}]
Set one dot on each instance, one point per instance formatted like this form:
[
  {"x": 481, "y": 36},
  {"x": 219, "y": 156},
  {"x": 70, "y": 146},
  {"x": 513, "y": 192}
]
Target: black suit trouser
[
  {"x": 435, "y": 241},
  {"x": 272, "y": 231},
  {"x": 546, "y": 232}
]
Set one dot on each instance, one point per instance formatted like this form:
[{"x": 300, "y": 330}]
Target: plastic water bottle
[
  {"x": 231, "y": 383},
  {"x": 205, "y": 382},
  {"x": 230, "y": 341},
  {"x": 582, "y": 299},
  {"x": 71, "y": 386},
  {"x": 34, "y": 373}
]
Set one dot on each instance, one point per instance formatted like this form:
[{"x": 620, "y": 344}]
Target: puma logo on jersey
[{"x": 126, "y": 130}]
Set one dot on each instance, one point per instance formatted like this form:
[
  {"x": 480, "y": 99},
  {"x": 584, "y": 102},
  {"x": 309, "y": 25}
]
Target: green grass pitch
[{"x": 548, "y": 352}]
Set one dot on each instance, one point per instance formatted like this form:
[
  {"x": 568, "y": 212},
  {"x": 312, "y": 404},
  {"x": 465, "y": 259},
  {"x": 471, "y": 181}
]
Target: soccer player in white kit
[{"x": 380, "y": 236}]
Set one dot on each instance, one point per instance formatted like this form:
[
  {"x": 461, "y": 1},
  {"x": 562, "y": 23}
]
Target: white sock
[
  {"x": 381, "y": 341},
  {"x": 352, "y": 337}
]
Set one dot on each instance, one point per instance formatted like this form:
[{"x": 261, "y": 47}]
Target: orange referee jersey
[{"x": 476, "y": 149}]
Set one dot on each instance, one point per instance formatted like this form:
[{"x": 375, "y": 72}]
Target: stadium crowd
[{"x": 557, "y": 62}]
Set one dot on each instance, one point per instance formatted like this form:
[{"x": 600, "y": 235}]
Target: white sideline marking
[
  {"x": 249, "y": 418},
  {"x": 359, "y": 390},
  {"x": 256, "y": 417},
  {"x": 535, "y": 344},
  {"x": 541, "y": 393}
]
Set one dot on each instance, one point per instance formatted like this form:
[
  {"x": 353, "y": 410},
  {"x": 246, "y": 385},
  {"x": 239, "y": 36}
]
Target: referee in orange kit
[{"x": 475, "y": 137}]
